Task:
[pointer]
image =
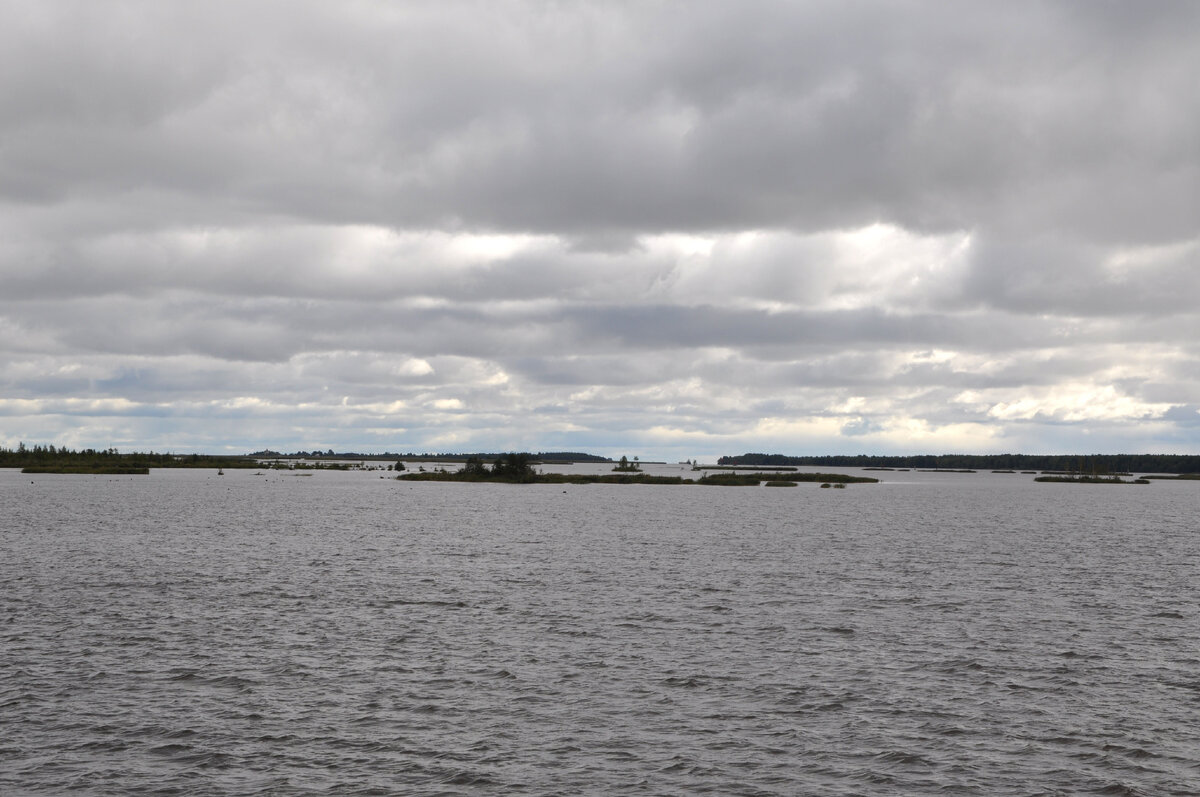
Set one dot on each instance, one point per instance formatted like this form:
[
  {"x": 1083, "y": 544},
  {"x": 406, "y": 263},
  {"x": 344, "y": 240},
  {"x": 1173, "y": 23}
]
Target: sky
[{"x": 654, "y": 228}]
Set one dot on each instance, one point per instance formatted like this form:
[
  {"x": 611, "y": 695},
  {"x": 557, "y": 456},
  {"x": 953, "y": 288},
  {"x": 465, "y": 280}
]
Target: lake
[{"x": 340, "y": 633}]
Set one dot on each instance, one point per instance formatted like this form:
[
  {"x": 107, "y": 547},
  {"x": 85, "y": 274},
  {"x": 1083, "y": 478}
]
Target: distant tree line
[
  {"x": 89, "y": 459},
  {"x": 54, "y": 458},
  {"x": 1068, "y": 463},
  {"x": 541, "y": 456}
]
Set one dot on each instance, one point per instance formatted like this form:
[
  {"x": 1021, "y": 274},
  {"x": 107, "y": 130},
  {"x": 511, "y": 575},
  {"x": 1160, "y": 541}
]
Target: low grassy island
[
  {"x": 754, "y": 479},
  {"x": 518, "y": 469},
  {"x": 91, "y": 470},
  {"x": 1079, "y": 479}
]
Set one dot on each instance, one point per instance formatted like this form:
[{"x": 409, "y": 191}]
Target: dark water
[{"x": 949, "y": 634}]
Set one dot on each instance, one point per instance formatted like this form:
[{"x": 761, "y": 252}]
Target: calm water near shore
[{"x": 339, "y": 633}]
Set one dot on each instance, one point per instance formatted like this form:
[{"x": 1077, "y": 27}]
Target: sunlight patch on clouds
[
  {"x": 1145, "y": 258},
  {"x": 916, "y": 434},
  {"x": 793, "y": 429},
  {"x": 852, "y": 269},
  {"x": 243, "y": 403},
  {"x": 474, "y": 248},
  {"x": 21, "y": 407},
  {"x": 678, "y": 245},
  {"x": 448, "y": 404},
  {"x": 101, "y": 406},
  {"x": 850, "y": 406},
  {"x": 589, "y": 393},
  {"x": 447, "y": 441},
  {"x": 414, "y": 367},
  {"x": 381, "y": 409},
  {"x": 973, "y": 400},
  {"x": 70, "y": 406},
  {"x": 385, "y": 433},
  {"x": 882, "y": 263},
  {"x": 1077, "y": 402},
  {"x": 498, "y": 378},
  {"x": 675, "y": 436}
]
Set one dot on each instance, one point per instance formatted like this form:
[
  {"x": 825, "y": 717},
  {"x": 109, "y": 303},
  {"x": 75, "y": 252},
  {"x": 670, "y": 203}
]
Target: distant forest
[
  {"x": 86, "y": 460},
  {"x": 541, "y": 456},
  {"x": 109, "y": 460},
  {"x": 1071, "y": 463}
]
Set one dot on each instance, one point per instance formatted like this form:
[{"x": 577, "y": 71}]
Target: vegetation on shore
[
  {"x": 1084, "y": 479},
  {"x": 50, "y": 459},
  {"x": 1075, "y": 463},
  {"x": 316, "y": 454},
  {"x": 97, "y": 470},
  {"x": 739, "y": 478},
  {"x": 626, "y": 466},
  {"x": 744, "y": 469},
  {"x": 518, "y": 469},
  {"x": 781, "y": 468},
  {"x": 1181, "y": 477}
]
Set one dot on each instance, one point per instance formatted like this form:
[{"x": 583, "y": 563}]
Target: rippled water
[{"x": 184, "y": 633}]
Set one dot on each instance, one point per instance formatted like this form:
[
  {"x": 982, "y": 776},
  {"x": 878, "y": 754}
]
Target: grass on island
[
  {"x": 517, "y": 469},
  {"x": 1179, "y": 477},
  {"x": 753, "y": 479},
  {"x": 1080, "y": 479},
  {"x": 1076, "y": 463},
  {"x": 93, "y": 470},
  {"x": 542, "y": 478},
  {"x": 49, "y": 459},
  {"x": 784, "y": 468}
]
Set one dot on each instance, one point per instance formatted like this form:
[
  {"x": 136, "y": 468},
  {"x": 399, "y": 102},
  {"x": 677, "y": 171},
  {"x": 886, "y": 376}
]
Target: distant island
[
  {"x": 557, "y": 457},
  {"x": 52, "y": 459},
  {"x": 518, "y": 469},
  {"x": 1085, "y": 479},
  {"x": 108, "y": 461},
  {"x": 1066, "y": 463}
]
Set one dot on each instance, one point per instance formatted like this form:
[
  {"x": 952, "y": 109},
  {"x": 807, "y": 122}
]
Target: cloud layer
[{"x": 670, "y": 228}]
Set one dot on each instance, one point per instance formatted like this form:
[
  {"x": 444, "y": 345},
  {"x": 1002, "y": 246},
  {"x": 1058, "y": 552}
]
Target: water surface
[{"x": 339, "y": 633}]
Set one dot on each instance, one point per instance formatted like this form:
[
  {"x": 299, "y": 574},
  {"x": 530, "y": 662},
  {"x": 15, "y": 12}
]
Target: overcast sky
[{"x": 670, "y": 229}]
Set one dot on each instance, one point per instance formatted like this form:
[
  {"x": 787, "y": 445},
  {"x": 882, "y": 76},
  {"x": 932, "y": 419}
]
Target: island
[{"x": 518, "y": 469}]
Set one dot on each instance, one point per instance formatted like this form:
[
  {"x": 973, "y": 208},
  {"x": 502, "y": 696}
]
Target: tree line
[
  {"x": 90, "y": 459},
  {"x": 1069, "y": 463}
]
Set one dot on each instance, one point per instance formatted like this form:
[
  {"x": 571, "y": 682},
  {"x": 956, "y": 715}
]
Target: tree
[
  {"x": 513, "y": 467},
  {"x": 474, "y": 468}
]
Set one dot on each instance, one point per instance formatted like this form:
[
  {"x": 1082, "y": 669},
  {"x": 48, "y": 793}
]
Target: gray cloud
[{"x": 697, "y": 227}]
